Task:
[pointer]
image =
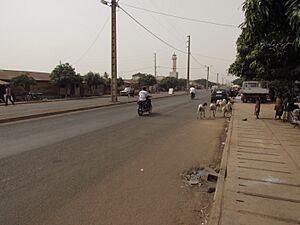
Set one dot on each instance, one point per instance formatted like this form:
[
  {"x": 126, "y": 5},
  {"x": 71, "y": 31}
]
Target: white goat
[
  {"x": 212, "y": 108},
  {"x": 218, "y": 103},
  {"x": 201, "y": 110},
  {"x": 227, "y": 109},
  {"x": 222, "y": 104}
]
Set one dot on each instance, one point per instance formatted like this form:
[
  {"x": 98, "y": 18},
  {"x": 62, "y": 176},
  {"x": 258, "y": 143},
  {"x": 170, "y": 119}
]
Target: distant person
[
  {"x": 257, "y": 108},
  {"x": 278, "y": 107},
  {"x": 285, "y": 105},
  {"x": 144, "y": 96},
  {"x": 192, "y": 92},
  {"x": 8, "y": 94}
]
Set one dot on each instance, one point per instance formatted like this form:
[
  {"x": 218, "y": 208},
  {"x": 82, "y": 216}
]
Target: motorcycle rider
[
  {"x": 192, "y": 92},
  {"x": 144, "y": 97}
]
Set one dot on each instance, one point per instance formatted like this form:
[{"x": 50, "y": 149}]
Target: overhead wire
[
  {"x": 144, "y": 68},
  {"x": 150, "y": 32},
  {"x": 196, "y": 60},
  {"x": 183, "y": 18},
  {"x": 93, "y": 43},
  {"x": 166, "y": 43},
  {"x": 213, "y": 57}
]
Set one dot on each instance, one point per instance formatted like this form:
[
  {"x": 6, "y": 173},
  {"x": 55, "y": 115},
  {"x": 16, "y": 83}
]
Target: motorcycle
[
  {"x": 144, "y": 106},
  {"x": 192, "y": 95}
]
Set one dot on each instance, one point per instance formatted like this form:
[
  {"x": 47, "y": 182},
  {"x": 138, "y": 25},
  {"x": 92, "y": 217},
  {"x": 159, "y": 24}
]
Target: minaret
[
  {"x": 174, "y": 73},
  {"x": 174, "y": 58}
]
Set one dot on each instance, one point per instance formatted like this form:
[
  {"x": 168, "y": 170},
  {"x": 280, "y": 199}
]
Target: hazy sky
[{"x": 37, "y": 34}]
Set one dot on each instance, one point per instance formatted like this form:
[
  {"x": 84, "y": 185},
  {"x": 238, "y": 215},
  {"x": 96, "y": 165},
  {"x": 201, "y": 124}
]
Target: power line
[
  {"x": 198, "y": 61},
  {"x": 150, "y": 32},
  {"x": 212, "y": 57},
  {"x": 183, "y": 18},
  {"x": 144, "y": 68},
  {"x": 89, "y": 48},
  {"x": 157, "y": 37},
  {"x": 179, "y": 68}
]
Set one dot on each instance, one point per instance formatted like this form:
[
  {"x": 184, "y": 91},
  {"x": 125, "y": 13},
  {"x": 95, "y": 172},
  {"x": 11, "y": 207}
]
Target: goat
[
  {"x": 222, "y": 104},
  {"x": 218, "y": 105},
  {"x": 212, "y": 108},
  {"x": 227, "y": 109},
  {"x": 201, "y": 110}
]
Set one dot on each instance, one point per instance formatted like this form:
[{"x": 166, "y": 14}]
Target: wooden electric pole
[
  {"x": 188, "y": 64},
  {"x": 155, "y": 68},
  {"x": 114, "y": 86},
  {"x": 207, "y": 77}
]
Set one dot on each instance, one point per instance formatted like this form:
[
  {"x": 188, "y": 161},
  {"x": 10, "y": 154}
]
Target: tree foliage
[
  {"x": 93, "y": 80},
  {"x": 203, "y": 82},
  {"x": 120, "y": 81},
  {"x": 24, "y": 80},
  {"x": 65, "y": 75},
  {"x": 147, "y": 80},
  {"x": 268, "y": 46},
  {"x": 172, "y": 82}
]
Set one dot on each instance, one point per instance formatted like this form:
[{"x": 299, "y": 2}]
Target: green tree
[
  {"x": 202, "y": 82},
  {"x": 147, "y": 80},
  {"x": 65, "y": 75},
  {"x": 293, "y": 15},
  {"x": 168, "y": 82},
  {"x": 181, "y": 83},
  {"x": 137, "y": 76},
  {"x": 24, "y": 80},
  {"x": 107, "y": 83},
  {"x": 120, "y": 81},
  {"x": 238, "y": 81},
  {"x": 267, "y": 48},
  {"x": 93, "y": 80}
]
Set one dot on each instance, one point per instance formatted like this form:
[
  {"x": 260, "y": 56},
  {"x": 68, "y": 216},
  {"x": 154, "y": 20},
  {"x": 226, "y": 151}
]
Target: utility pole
[
  {"x": 188, "y": 64},
  {"x": 114, "y": 86},
  {"x": 155, "y": 71},
  {"x": 207, "y": 77},
  {"x": 217, "y": 78}
]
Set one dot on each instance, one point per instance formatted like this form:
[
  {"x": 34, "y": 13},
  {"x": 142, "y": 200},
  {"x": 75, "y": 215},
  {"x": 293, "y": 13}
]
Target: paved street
[
  {"x": 34, "y": 109},
  {"x": 108, "y": 165}
]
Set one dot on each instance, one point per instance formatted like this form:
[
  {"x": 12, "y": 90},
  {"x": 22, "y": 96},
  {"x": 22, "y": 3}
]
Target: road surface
[{"x": 107, "y": 166}]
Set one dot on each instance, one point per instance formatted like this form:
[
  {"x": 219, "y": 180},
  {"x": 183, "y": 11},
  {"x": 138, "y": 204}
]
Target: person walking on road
[
  {"x": 257, "y": 108},
  {"x": 8, "y": 94},
  {"x": 278, "y": 107}
]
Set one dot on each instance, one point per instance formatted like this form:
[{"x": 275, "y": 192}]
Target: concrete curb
[
  {"x": 216, "y": 210},
  {"x": 39, "y": 115}
]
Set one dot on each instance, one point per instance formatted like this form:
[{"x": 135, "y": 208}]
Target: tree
[
  {"x": 147, "y": 80},
  {"x": 120, "y": 81},
  {"x": 65, "y": 75},
  {"x": 168, "y": 82},
  {"x": 181, "y": 83},
  {"x": 267, "y": 48},
  {"x": 93, "y": 80},
  {"x": 238, "y": 81},
  {"x": 24, "y": 80},
  {"x": 107, "y": 83},
  {"x": 202, "y": 82},
  {"x": 137, "y": 76},
  {"x": 293, "y": 15}
]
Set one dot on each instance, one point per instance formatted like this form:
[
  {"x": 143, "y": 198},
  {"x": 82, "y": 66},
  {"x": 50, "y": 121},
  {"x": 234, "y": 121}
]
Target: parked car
[
  {"x": 219, "y": 94},
  {"x": 127, "y": 91}
]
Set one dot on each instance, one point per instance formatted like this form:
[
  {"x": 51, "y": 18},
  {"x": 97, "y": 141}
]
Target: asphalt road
[{"x": 106, "y": 166}]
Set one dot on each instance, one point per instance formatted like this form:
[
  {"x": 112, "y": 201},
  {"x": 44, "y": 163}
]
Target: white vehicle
[{"x": 252, "y": 90}]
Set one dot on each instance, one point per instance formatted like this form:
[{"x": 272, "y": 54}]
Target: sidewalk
[
  {"x": 34, "y": 110},
  {"x": 261, "y": 168}
]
